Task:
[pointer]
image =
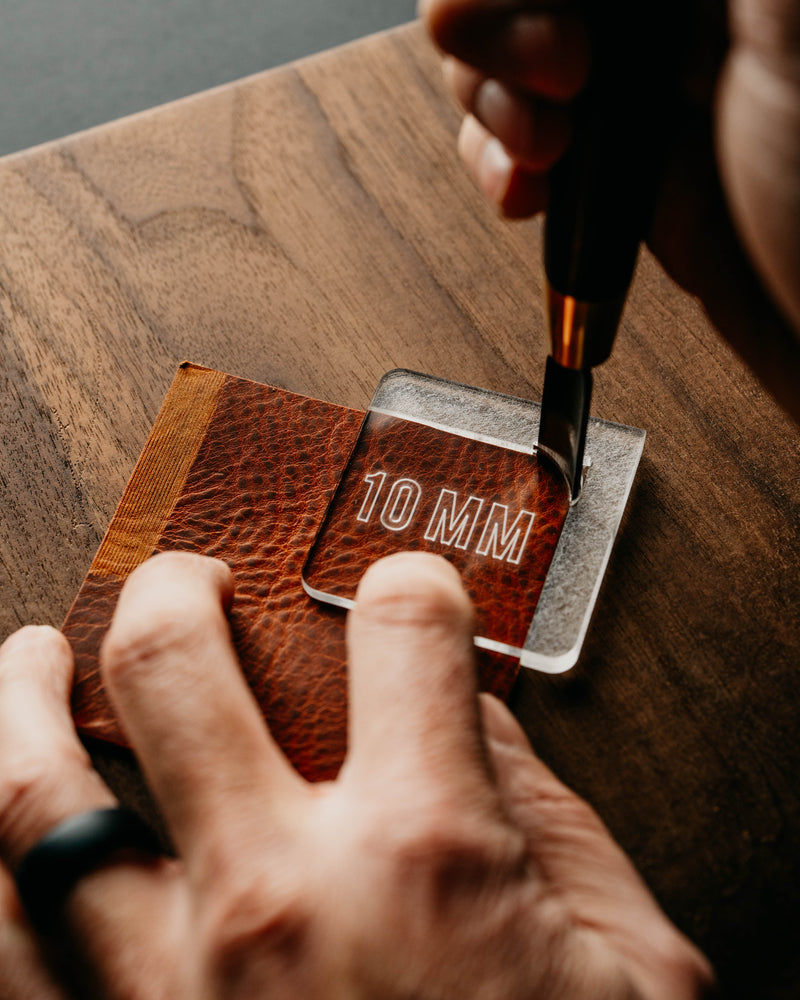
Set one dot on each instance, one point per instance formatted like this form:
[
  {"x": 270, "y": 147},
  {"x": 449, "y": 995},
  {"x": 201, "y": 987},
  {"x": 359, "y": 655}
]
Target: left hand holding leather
[{"x": 446, "y": 861}]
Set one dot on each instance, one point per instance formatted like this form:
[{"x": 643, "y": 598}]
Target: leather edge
[{"x": 160, "y": 472}]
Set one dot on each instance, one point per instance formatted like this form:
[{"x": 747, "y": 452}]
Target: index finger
[{"x": 171, "y": 669}]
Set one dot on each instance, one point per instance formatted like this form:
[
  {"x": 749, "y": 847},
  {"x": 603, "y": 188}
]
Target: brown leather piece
[
  {"x": 254, "y": 496},
  {"x": 458, "y": 497},
  {"x": 85, "y": 626}
]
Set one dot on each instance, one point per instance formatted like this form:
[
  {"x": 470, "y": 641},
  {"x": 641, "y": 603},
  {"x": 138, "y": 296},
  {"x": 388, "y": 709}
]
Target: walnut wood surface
[{"x": 312, "y": 228}]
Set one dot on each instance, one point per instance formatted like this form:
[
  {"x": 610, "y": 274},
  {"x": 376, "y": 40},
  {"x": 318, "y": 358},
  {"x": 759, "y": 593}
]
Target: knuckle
[
  {"x": 444, "y": 852},
  {"x": 251, "y": 922},
  {"x": 137, "y": 645},
  {"x": 170, "y": 605}
]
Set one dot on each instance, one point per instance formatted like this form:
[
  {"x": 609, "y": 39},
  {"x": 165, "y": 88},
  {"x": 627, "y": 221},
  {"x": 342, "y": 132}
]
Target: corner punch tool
[{"x": 600, "y": 205}]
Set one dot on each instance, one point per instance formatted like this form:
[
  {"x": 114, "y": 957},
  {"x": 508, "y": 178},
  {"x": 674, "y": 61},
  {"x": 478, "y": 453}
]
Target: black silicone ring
[{"x": 72, "y": 849}]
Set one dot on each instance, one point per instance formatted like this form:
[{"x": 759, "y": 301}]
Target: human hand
[
  {"x": 23, "y": 973},
  {"x": 727, "y": 221},
  {"x": 446, "y": 861}
]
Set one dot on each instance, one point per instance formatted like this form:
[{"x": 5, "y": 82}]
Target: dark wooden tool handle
[{"x": 603, "y": 189}]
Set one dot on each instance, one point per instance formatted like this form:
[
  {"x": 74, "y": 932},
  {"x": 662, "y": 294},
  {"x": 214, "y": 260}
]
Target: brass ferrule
[{"x": 582, "y": 333}]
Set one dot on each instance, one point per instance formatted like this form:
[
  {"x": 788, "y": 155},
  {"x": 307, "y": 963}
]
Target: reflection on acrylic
[
  {"x": 495, "y": 513},
  {"x": 448, "y": 468}
]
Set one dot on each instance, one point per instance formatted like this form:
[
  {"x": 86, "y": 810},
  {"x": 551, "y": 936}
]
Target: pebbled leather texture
[
  {"x": 408, "y": 485},
  {"x": 254, "y": 496}
]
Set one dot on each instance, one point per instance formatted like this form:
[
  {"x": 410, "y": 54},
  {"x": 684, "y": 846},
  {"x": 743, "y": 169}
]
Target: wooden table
[{"x": 311, "y": 227}]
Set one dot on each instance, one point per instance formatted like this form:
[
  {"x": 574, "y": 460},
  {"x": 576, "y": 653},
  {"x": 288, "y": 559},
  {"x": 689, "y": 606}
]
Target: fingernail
[
  {"x": 470, "y": 140},
  {"x": 494, "y": 170},
  {"x": 448, "y": 72},
  {"x": 487, "y": 97},
  {"x": 487, "y": 159}
]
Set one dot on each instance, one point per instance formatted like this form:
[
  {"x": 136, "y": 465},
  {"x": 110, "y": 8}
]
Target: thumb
[
  {"x": 571, "y": 846},
  {"x": 581, "y": 865}
]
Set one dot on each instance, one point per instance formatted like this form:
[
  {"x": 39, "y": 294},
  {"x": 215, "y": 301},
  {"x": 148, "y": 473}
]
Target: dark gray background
[{"x": 70, "y": 64}]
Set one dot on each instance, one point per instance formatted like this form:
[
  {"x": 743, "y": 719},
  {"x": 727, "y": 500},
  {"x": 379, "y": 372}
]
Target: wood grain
[{"x": 311, "y": 227}]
